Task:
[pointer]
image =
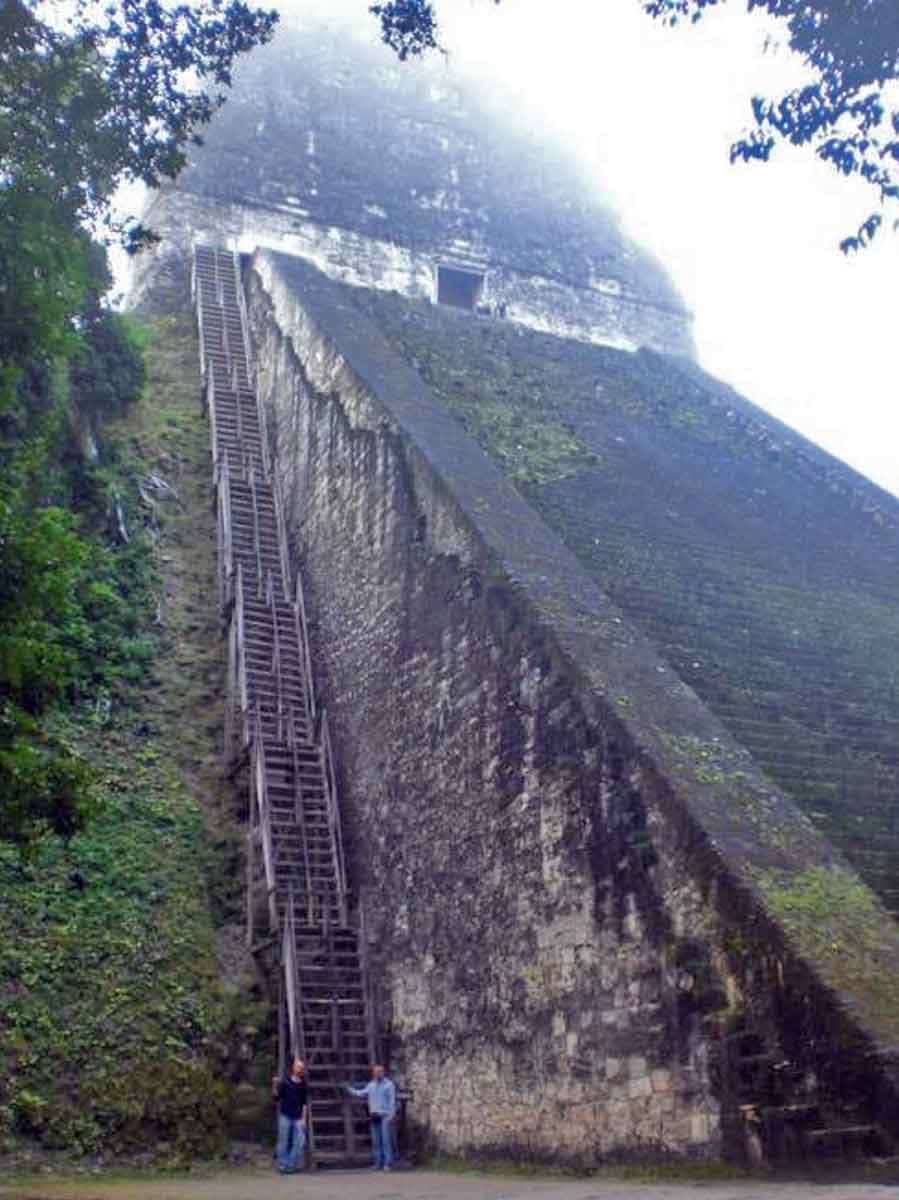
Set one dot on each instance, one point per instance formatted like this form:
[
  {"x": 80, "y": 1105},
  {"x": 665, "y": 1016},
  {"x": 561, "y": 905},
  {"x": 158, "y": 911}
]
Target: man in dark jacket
[{"x": 292, "y": 1096}]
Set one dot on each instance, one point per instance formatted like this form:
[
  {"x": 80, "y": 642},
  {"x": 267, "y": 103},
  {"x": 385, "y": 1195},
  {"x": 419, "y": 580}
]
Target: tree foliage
[
  {"x": 409, "y": 27},
  {"x": 71, "y": 598},
  {"x": 114, "y": 92},
  {"x": 848, "y": 114},
  {"x": 91, "y": 95},
  {"x": 97, "y": 95}
]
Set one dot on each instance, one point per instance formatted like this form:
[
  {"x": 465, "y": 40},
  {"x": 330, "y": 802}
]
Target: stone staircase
[{"x": 297, "y": 900}]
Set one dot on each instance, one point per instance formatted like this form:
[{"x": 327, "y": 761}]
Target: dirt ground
[{"x": 256, "y": 1184}]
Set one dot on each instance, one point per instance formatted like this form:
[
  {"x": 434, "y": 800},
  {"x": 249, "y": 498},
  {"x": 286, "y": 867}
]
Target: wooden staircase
[
  {"x": 786, "y": 1112},
  {"x": 296, "y": 875}
]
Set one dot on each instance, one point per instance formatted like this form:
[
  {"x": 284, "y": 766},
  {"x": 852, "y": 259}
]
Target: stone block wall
[{"x": 560, "y": 902}]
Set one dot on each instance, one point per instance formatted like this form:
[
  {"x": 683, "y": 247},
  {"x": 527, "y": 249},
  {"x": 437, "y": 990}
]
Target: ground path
[{"x": 255, "y": 1184}]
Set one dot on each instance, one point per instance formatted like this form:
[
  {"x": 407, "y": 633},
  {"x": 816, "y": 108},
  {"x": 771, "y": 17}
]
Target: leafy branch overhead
[
  {"x": 848, "y": 114},
  {"x": 112, "y": 92}
]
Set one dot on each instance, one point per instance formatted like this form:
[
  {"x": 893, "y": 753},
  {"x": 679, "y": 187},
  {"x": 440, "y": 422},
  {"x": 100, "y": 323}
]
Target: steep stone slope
[
  {"x": 599, "y": 927},
  {"x": 765, "y": 571}
]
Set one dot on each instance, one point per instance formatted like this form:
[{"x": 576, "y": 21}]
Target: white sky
[{"x": 780, "y": 313}]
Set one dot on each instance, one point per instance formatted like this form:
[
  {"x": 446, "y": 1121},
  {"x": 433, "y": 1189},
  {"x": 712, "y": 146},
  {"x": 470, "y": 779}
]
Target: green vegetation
[
  {"x": 836, "y": 922},
  {"x": 73, "y": 590},
  {"x": 818, "y": 901},
  {"x": 118, "y": 1034},
  {"x": 113, "y": 1026},
  {"x": 516, "y": 417},
  {"x": 763, "y": 572},
  {"x": 109, "y": 1038},
  {"x": 85, "y": 103}
]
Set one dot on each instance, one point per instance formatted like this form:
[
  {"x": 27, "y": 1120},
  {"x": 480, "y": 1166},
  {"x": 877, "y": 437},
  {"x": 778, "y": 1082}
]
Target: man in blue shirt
[{"x": 381, "y": 1095}]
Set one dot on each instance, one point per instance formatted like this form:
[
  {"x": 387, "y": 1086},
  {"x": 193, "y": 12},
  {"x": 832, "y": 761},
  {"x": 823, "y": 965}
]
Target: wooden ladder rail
[
  {"x": 213, "y": 275},
  {"x": 242, "y": 309},
  {"x": 240, "y": 658},
  {"x": 333, "y": 817},
  {"x": 277, "y": 666},
  {"x": 292, "y": 986},
  {"x": 222, "y": 475},
  {"x": 250, "y": 475},
  {"x": 300, "y": 810},
  {"x": 207, "y": 405},
  {"x": 261, "y": 830},
  {"x": 251, "y": 369},
  {"x": 278, "y": 501},
  {"x": 299, "y": 609},
  {"x": 238, "y": 406},
  {"x": 197, "y": 301}
]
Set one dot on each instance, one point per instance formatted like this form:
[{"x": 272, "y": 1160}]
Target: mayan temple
[{"x": 563, "y": 681}]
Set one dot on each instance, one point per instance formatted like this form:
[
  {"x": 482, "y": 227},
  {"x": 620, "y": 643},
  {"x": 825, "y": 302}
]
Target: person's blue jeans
[
  {"x": 291, "y": 1142},
  {"x": 382, "y": 1143}
]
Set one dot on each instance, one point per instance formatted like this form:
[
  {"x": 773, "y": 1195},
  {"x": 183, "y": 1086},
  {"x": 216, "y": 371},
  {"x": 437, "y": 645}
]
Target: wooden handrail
[
  {"x": 291, "y": 980},
  {"x": 303, "y": 645},
  {"x": 242, "y": 308},
  {"x": 259, "y": 774},
  {"x": 299, "y": 810},
  {"x": 240, "y": 656},
  {"x": 226, "y": 341},
  {"x": 210, "y": 404},
  {"x": 278, "y": 500},
  {"x": 367, "y": 997},
  {"x": 197, "y": 302},
  {"x": 263, "y": 433},
  {"x": 333, "y": 817},
  {"x": 251, "y": 867},
  {"x": 226, "y": 547},
  {"x": 257, "y": 539},
  {"x": 276, "y": 642},
  {"x": 208, "y": 398}
]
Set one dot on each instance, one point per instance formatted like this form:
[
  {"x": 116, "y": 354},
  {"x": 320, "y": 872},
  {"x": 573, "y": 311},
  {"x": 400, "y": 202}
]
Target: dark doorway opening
[{"x": 459, "y": 289}]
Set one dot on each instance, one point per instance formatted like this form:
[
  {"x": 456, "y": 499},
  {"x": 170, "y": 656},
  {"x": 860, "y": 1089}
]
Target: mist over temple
[
  {"x": 562, "y": 683},
  {"x": 393, "y": 176}
]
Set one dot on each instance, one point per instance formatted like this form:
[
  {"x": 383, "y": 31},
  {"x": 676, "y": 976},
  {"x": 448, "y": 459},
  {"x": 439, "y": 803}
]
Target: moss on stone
[
  {"x": 837, "y": 923},
  {"x": 763, "y": 571}
]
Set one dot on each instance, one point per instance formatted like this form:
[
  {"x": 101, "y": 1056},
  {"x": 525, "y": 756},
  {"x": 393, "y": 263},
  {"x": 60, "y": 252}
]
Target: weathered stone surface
[
  {"x": 378, "y": 172},
  {"x": 761, "y": 567},
  {"x": 568, "y": 916}
]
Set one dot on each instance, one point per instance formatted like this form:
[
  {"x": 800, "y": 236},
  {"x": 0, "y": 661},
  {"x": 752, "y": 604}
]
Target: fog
[
  {"x": 650, "y": 113},
  {"x": 779, "y": 311}
]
